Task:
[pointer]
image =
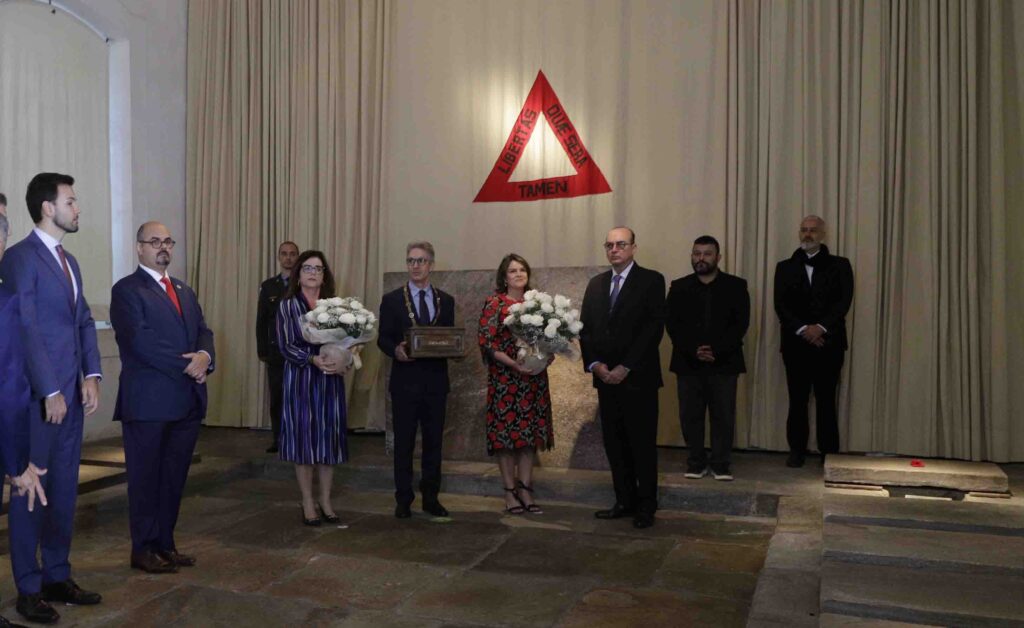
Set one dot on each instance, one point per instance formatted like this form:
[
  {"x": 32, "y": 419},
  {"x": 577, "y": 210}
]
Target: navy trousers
[
  {"x": 409, "y": 412},
  {"x": 157, "y": 455},
  {"x": 48, "y": 529}
]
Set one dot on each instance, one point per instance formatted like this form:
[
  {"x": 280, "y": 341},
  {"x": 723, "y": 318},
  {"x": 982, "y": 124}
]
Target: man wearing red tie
[{"x": 166, "y": 353}]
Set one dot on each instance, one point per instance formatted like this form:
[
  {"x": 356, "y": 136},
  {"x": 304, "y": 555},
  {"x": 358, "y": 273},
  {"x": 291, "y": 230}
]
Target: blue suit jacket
[
  {"x": 15, "y": 391},
  {"x": 152, "y": 338},
  {"x": 60, "y": 338}
]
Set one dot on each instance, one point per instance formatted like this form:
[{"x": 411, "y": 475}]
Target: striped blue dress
[{"x": 313, "y": 413}]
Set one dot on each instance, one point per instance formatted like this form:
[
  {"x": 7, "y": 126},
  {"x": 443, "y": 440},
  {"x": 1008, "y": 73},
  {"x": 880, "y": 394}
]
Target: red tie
[
  {"x": 67, "y": 271},
  {"x": 171, "y": 293}
]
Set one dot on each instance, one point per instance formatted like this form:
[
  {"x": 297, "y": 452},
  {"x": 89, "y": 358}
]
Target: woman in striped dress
[{"x": 313, "y": 414}]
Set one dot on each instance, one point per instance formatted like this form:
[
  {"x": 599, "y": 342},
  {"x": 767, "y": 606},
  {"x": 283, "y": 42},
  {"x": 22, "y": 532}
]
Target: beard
[
  {"x": 68, "y": 226},
  {"x": 809, "y": 245},
  {"x": 163, "y": 259},
  {"x": 703, "y": 268}
]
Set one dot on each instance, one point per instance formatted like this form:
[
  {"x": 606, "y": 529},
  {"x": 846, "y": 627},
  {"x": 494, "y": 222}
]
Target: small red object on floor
[{"x": 916, "y": 463}]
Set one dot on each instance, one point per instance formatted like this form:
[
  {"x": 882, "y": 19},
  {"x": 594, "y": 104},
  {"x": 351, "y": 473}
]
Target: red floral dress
[{"x": 518, "y": 405}]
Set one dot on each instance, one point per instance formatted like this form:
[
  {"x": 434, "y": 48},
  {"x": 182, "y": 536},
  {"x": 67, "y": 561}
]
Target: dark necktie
[
  {"x": 67, "y": 271},
  {"x": 616, "y": 282},
  {"x": 424, "y": 312}
]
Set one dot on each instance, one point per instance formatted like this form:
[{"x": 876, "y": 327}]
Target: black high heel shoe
[
  {"x": 314, "y": 522},
  {"x": 533, "y": 509},
  {"x": 515, "y": 510},
  {"x": 326, "y": 517}
]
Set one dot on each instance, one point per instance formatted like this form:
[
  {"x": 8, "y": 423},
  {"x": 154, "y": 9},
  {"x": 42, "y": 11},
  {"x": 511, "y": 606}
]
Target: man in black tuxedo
[
  {"x": 271, "y": 292},
  {"x": 813, "y": 293},
  {"x": 708, "y": 315},
  {"x": 419, "y": 387},
  {"x": 623, "y": 317}
]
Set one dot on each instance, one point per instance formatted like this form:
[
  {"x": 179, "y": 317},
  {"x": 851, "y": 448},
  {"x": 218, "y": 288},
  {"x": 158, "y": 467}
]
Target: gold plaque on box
[{"x": 436, "y": 342}]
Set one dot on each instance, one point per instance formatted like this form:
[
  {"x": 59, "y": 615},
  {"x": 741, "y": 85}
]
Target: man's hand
[
  {"x": 601, "y": 370},
  {"x": 56, "y": 409},
  {"x": 91, "y": 394},
  {"x": 616, "y": 375},
  {"x": 705, "y": 354},
  {"x": 28, "y": 482},
  {"x": 401, "y": 354},
  {"x": 814, "y": 334},
  {"x": 198, "y": 365}
]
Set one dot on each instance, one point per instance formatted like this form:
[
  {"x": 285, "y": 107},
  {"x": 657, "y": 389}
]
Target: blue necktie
[{"x": 616, "y": 282}]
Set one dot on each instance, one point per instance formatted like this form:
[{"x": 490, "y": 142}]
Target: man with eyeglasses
[
  {"x": 166, "y": 354},
  {"x": 623, "y": 317},
  {"x": 271, "y": 292},
  {"x": 418, "y": 387},
  {"x": 64, "y": 372}
]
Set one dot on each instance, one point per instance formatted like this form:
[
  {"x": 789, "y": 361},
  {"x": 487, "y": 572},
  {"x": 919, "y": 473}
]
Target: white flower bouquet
[
  {"x": 342, "y": 326},
  {"x": 543, "y": 326}
]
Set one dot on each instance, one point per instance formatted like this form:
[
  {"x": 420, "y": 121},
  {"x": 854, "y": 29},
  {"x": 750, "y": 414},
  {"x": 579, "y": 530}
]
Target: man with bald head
[
  {"x": 166, "y": 353},
  {"x": 813, "y": 293},
  {"x": 623, "y": 315}
]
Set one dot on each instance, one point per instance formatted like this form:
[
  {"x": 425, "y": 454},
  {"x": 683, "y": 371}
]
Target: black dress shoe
[
  {"x": 795, "y": 460},
  {"x": 313, "y": 523},
  {"x": 615, "y": 512},
  {"x": 326, "y": 517},
  {"x": 35, "y": 609},
  {"x": 402, "y": 511},
  {"x": 150, "y": 562},
  {"x": 643, "y": 520},
  {"x": 272, "y": 449},
  {"x": 435, "y": 508},
  {"x": 6, "y": 623},
  {"x": 68, "y": 592},
  {"x": 177, "y": 559}
]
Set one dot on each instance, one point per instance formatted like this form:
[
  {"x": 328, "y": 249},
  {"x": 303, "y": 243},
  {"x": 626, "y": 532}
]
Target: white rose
[
  {"x": 544, "y": 297},
  {"x": 530, "y": 294},
  {"x": 515, "y": 308},
  {"x": 335, "y": 302},
  {"x": 537, "y": 320},
  {"x": 360, "y": 319},
  {"x": 529, "y": 304},
  {"x": 550, "y": 332},
  {"x": 347, "y": 319},
  {"x": 575, "y": 327},
  {"x": 369, "y": 327},
  {"x": 322, "y": 317},
  {"x": 561, "y": 302},
  {"x": 546, "y": 307},
  {"x": 555, "y": 323},
  {"x": 311, "y": 316},
  {"x": 355, "y": 305},
  {"x": 509, "y": 320}
]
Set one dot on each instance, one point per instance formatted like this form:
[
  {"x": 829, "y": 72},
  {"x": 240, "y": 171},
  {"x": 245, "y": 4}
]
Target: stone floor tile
[
  {"x": 239, "y": 569},
  {"x": 611, "y": 559},
  {"x": 354, "y": 582},
  {"x": 652, "y": 608},
  {"x": 496, "y": 599}
]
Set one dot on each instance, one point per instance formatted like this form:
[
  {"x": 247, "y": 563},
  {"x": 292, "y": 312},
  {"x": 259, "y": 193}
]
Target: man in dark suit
[
  {"x": 64, "y": 372},
  {"x": 271, "y": 292},
  {"x": 418, "y": 387},
  {"x": 623, "y": 317},
  {"x": 166, "y": 353},
  {"x": 16, "y": 393},
  {"x": 813, "y": 293},
  {"x": 708, "y": 315}
]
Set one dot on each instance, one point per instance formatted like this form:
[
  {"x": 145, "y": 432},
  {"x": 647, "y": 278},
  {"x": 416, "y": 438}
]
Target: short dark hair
[
  {"x": 500, "y": 284},
  {"x": 326, "y": 289},
  {"x": 3, "y": 199},
  {"x": 706, "y": 239},
  {"x": 287, "y": 242},
  {"x": 5, "y": 227},
  {"x": 43, "y": 187}
]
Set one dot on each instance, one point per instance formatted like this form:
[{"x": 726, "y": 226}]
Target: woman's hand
[{"x": 329, "y": 367}]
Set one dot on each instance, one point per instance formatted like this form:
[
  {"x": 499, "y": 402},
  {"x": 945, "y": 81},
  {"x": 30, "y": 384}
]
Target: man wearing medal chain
[{"x": 418, "y": 387}]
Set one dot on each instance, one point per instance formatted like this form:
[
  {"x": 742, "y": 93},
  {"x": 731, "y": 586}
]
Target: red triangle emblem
[{"x": 588, "y": 178}]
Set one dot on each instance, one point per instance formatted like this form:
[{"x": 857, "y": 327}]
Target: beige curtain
[
  {"x": 285, "y": 102},
  {"x": 898, "y": 123}
]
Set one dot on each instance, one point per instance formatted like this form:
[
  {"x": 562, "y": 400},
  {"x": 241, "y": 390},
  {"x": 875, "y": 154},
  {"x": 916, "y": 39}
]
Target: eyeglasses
[
  {"x": 621, "y": 244},
  {"x": 417, "y": 261},
  {"x": 309, "y": 269},
  {"x": 157, "y": 243}
]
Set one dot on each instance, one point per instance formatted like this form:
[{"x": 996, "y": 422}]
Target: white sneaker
[
  {"x": 724, "y": 476},
  {"x": 695, "y": 475}
]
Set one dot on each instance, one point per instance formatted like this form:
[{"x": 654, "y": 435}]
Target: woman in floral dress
[{"x": 518, "y": 403}]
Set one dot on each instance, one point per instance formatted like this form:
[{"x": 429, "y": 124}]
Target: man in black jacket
[
  {"x": 271, "y": 292},
  {"x": 418, "y": 387},
  {"x": 708, "y": 315},
  {"x": 623, "y": 317},
  {"x": 813, "y": 293}
]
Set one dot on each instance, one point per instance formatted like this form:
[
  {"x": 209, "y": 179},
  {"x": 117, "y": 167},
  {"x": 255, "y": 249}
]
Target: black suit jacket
[
  {"x": 824, "y": 301},
  {"x": 715, "y": 314},
  {"x": 271, "y": 292},
  {"x": 631, "y": 333},
  {"x": 418, "y": 376}
]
